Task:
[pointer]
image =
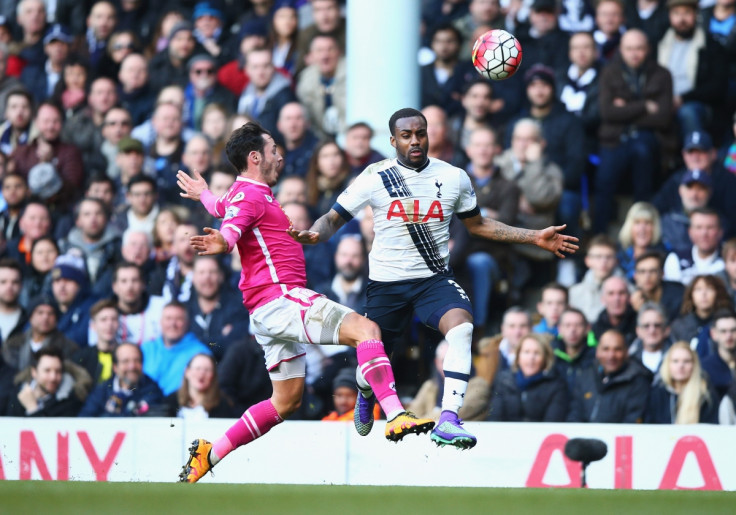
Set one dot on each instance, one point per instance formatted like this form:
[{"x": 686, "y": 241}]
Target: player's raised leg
[
  {"x": 457, "y": 326},
  {"x": 255, "y": 422},
  {"x": 375, "y": 368}
]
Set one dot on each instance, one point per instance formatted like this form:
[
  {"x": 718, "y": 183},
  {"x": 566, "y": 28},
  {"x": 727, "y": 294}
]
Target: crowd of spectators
[{"x": 105, "y": 310}]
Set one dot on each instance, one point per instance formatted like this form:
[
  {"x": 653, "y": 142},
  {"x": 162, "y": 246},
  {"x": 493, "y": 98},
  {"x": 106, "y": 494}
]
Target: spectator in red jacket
[{"x": 62, "y": 160}]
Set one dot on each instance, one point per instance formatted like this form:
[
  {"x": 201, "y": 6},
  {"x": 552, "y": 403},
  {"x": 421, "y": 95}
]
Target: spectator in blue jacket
[
  {"x": 128, "y": 393},
  {"x": 166, "y": 357},
  {"x": 615, "y": 389},
  {"x": 69, "y": 286},
  {"x": 551, "y": 305}
]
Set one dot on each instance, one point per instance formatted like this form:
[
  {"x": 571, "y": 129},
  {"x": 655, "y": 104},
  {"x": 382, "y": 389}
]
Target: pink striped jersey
[{"x": 252, "y": 218}]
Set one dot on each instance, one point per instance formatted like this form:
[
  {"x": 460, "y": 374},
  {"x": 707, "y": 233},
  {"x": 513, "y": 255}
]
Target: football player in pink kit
[{"x": 284, "y": 314}]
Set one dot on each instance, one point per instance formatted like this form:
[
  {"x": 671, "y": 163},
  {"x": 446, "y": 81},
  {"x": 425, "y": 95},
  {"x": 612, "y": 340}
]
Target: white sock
[
  {"x": 457, "y": 366},
  {"x": 365, "y": 389},
  {"x": 214, "y": 459}
]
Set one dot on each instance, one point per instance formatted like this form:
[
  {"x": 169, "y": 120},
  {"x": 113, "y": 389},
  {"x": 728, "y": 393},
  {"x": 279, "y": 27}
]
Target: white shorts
[{"x": 284, "y": 327}]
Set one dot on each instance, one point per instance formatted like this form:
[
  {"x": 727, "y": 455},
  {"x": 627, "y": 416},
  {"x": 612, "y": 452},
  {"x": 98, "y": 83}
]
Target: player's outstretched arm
[
  {"x": 549, "y": 239},
  {"x": 209, "y": 244},
  {"x": 191, "y": 187},
  {"x": 321, "y": 230}
]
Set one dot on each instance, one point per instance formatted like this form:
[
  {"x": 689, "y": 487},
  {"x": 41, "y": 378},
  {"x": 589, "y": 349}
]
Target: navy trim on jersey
[
  {"x": 457, "y": 375},
  {"x": 394, "y": 183},
  {"x": 342, "y": 212},
  {"x": 425, "y": 165},
  {"x": 427, "y": 247},
  {"x": 469, "y": 214}
]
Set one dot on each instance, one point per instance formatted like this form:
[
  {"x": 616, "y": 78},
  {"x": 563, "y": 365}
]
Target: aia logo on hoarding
[{"x": 623, "y": 456}]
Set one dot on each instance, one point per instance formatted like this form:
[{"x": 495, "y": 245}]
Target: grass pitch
[{"x": 32, "y": 497}]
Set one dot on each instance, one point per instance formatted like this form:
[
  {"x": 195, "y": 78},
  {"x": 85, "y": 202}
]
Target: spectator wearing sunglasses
[{"x": 202, "y": 90}]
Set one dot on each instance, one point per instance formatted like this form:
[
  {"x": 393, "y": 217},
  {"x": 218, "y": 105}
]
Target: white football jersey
[{"x": 411, "y": 214}]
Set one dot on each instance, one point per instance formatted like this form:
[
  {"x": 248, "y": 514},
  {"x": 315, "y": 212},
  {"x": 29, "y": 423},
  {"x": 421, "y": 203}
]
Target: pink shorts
[{"x": 284, "y": 326}]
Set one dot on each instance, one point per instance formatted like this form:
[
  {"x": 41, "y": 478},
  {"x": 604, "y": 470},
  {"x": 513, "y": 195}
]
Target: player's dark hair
[
  {"x": 406, "y": 112},
  {"x": 242, "y": 142}
]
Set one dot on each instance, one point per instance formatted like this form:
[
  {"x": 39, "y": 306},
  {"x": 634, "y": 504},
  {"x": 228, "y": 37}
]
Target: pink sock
[
  {"x": 255, "y": 422},
  {"x": 376, "y": 368}
]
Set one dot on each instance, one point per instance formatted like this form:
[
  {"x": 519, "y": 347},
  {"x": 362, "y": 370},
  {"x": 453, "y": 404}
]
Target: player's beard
[{"x": 415, "y": 162}]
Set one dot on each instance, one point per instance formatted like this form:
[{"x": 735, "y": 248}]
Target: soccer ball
[{"x": 497, "y": 54}]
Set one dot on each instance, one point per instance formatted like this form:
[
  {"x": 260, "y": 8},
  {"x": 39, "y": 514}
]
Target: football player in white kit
[{"x": 413, "y": 198}]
